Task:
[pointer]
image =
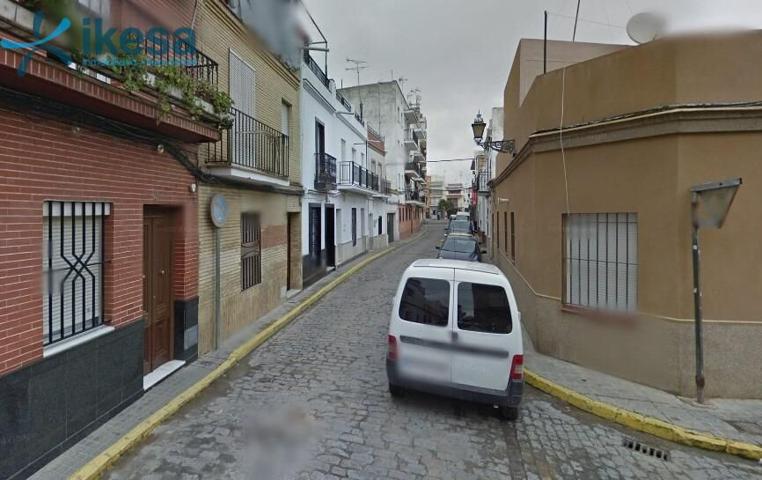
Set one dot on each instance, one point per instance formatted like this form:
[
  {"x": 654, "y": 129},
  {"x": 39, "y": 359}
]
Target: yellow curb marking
[
  {"x": 641, "y": 423},
  {"x": 98, "y": 465}
]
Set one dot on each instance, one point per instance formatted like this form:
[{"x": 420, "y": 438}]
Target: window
[
  {"x": 354, "y": 227},
  {"x": 251, "y": 250},
  {"x": 460, "y": 244},
  {"x": 354, "y": 155},
  {"x": 497, "y": 230},
  {"x": 513, "y": 237},
  {"x": 505, "y": 231},
  {"x": 101, "y": 8},
  {"x": 285, "y": 117},
  {"x": 315, "y": 245},
  {"x": 343, "y": 149},
  {"x": 483, "y": 308},
  {"x": 242, "y": 84},
  {"x": 72, "y": 265},
  {"x": 426, "y": 301},
  {"x": 601, "y": 260}
]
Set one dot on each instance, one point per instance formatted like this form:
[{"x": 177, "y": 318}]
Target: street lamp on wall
[
  {"x": 710, "y": 203},
  {"x": 502, "y": 146}
]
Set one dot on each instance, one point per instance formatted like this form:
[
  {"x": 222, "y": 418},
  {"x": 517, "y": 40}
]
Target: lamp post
[
  {"x": 710, "y": 203},
  {"x": 503, "y": 146}
]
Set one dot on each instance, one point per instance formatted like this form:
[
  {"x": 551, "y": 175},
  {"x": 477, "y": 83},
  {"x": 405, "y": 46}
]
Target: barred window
[
  {"x": 601, "y": 261},
  {"x": 72, "y": 266},
  {"x": 251, "y": 250}
]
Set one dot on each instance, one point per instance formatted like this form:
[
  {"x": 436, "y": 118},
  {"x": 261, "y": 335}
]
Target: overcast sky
[{"x": 459, "y": 52}]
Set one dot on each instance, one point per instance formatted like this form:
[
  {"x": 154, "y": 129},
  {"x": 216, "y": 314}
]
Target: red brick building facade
[{"x": 99, "y": 247}]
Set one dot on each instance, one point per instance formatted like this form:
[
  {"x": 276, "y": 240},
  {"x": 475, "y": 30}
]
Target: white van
[{"x": 456, "y": 331}]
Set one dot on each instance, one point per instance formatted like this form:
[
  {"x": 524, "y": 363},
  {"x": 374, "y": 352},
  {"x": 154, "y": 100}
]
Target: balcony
[
  {"x": 412, "y": 140},
  {"x": 121, "y": 92},
  {"x": 482, "y": 181},
  {"x": 356, "y": 178},
  {"x": 344, "y": 102},
  {"x": 251, "y": 151},
  {"x": 415, "y": 197},
  {"x": 325, "y": 172},
  {"x": 414, "y": 170},
  {"x": 319, "y": 73}
]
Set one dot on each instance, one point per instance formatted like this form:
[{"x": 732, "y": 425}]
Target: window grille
[
  {"x": 601, "y": 261},
  {"x": 251, "y": 250},
  {"x": 72, "y": 265}
]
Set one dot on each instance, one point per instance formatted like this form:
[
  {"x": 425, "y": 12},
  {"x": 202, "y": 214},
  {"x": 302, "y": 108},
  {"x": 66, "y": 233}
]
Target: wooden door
[{"x": 157, "y": 289}]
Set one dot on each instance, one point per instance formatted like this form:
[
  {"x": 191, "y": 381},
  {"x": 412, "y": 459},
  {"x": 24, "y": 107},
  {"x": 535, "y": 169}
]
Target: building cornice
[{"x": 668, "y": 120}]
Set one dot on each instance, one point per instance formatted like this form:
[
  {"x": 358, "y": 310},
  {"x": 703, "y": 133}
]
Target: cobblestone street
[{"x": 313, "y": 403}]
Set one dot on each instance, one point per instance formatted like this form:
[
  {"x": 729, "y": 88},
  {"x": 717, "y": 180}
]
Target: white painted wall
[{"x": 319, "y": 103}]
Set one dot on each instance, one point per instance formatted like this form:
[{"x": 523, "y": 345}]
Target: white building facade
[
  {"x": 403, "y": 126},
  {"x": 344, "y": 187}
]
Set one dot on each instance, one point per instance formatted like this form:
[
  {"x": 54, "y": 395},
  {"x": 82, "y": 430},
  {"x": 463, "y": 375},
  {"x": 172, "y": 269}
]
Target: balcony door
[
  {"x": 243, "y": 93},
  {"x": 319, "y": 139}
]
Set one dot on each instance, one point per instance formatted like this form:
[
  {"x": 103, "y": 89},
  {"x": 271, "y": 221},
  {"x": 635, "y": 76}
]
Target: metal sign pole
[{"x": 700, "y": 380}]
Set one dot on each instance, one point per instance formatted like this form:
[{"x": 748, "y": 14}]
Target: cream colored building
[
  {"x": 256, "y": 167},
  {"x": 593, "y": 222}
]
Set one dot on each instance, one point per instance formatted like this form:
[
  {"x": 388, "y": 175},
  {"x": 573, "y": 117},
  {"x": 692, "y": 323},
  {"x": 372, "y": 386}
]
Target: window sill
[
  {"x": 601, "y": 316},
  {"x": 60, "y": 347}
]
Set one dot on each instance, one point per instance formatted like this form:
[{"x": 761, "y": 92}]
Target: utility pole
[{"x": 358, "y": 65}]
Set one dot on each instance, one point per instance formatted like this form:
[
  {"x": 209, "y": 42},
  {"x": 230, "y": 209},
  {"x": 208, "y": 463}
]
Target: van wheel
[
  {"x": 396, "y": 391},
  {"x": 509, "y": 413}
]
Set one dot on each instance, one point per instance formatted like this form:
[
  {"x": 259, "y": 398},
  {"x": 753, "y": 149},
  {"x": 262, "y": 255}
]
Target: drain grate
[{"x": 645, "y": 449}]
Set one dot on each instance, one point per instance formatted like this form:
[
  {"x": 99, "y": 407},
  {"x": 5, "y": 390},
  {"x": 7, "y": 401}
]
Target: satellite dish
[{"x": 646, "y": 27}]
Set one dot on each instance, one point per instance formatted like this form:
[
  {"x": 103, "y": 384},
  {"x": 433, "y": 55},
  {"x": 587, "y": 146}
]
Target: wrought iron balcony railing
[
  {"x": 483, "y": 180},
  {"x": 343, "y": 101},
  {"x": 325, "y": 172},
  {"x": 189, "y": 58},
  {"x": 352, "y": 174},
  {"x": 413, "y": 196},
  {"x": 319, "y": 73},
  {"x": 252, "y": 144}
]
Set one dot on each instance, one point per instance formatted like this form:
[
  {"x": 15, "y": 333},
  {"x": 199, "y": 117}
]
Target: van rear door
[
  {"x": 422, "y": 325},
  {"x": 485, "y": 330}
]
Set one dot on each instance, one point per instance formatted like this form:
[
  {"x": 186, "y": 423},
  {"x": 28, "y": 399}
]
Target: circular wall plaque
[{"x": 218, "y": 209}]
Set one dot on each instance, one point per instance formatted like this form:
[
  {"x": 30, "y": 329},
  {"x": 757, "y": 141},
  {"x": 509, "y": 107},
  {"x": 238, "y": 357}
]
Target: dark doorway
[
  {"x": 390, "y": 226},
  {"x": 319, "y": 138},
  {"x": 158, "y": 233},
  {"x": 330, "y": 240}
]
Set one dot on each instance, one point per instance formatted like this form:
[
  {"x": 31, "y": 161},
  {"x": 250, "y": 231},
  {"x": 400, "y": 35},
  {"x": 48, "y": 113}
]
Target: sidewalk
[
  {"x": 159, "y": 396},
  {"x": 737, "y": 420}
]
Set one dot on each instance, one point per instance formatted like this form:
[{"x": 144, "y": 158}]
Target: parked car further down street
[
  {"x": 459, "y": 226},
  {"x": 461, "y": 246},
  {"x": 455, "y": 331}
]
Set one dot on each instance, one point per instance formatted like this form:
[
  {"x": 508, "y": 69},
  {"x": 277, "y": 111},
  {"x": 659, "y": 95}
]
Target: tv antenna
[{"x": 358, "y": 66}]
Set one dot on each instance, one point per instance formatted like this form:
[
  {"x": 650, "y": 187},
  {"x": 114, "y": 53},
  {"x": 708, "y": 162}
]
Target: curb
[
  {"x": 642, "y": 423},
  {"x": 98, "y": 465}
]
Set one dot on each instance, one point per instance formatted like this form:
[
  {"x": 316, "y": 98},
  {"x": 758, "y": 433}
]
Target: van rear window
[
  {"x": 483, "y": 308},
  {"x": 426, "y": 300}
]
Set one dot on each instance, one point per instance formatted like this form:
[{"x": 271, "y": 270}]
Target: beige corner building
[
  {"x": 593, "y": 212},
  {"x": 256, "y": 168}
]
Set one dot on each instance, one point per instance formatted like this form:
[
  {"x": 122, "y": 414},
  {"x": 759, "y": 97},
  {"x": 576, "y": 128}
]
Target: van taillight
[
  {"x": 517, "y": 367},
  {"x": 393, "y": 351}
]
